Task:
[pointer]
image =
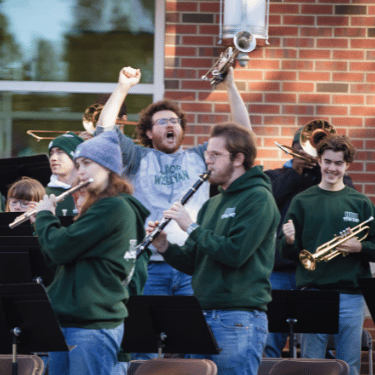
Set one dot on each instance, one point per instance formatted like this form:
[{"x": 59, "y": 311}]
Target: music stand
[
  {"x": 367, "y": 286},
  {"x": 12, "y": 169},
  {"x": 173, "y": 323},
  {"x": 303, "y": 311},
  {"x": 27, "y": 322}
]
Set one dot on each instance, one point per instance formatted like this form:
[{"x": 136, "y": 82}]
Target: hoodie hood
[
  {"x": 251, "y": 178},
  {"x": 141, "y": 213}
]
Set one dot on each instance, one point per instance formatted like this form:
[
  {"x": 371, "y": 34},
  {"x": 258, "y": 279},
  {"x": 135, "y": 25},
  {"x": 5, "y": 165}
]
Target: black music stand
[
  {"x": 27, "y": 322},
  {"x": 11, "y": 169},
  {"x": 174, "y": 324},
  {"x": 367, "y": 286},
  {"x": 303, "y": 311}
]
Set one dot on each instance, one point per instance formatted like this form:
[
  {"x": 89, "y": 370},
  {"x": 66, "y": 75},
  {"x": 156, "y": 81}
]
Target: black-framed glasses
[
  {"x": 13, "y": 203},
  {"x": 213, "y": 155},
  {"x": 164, "y": 121}
]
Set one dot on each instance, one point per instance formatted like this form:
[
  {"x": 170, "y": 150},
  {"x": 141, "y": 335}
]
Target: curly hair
[
  {"x": 145, "y": 121},
  {"x": 337, "y": 143}
]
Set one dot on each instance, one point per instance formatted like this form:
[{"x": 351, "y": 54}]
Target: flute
[
  {"x": 164, "y": 221},
  {"x": 26, "y": 216}
]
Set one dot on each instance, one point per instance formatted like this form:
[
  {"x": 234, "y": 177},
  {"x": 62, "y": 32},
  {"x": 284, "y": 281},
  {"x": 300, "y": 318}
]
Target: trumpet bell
[
  {"x": 244, "y": 41},
  {"x": 313, "y": 133},
  {"x": 307, "y": 260}
]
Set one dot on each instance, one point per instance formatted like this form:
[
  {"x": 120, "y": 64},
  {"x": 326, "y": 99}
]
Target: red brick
[
  {"x": 299, "y": 20},
  {"x": 365, "y": 155},
  {"x": 210, "y": 7},
  {"x": 332, "y": 43},
  {"x": 362, "y": 43},
  {"x": 317, "y": 9},
  {"x": 357, "y": 166},
  {"x": 332, "y": 110},
  {"x": 198, "y": 40},
  {"x": 267, "y": 130},
  {"x": 272, "y": 164},
  {"x": 348, "y": 77},
  {"x": 198, "y": 129},
  {"x": 350, "y": 32},
  {"x": 370, "y": 144},
  {"x": 314, "y": 54},
  {"x": 362, "y": 66},
  {"x": 181, "y": 7},
  {"x": 297, "y": 64},
  {"x": 280, "y": 98},
  {"x": 202, "y": 140},
  {"x": 222, "y": 108},
  {"x": 316, "y": 31},
  {"x": 208, "y": 29},
  {"x": 370, "y": 167},
  {"x": 180, "y": 51},
  {"x": 349, "y": 55},
  {"x": 284, "y": 76},
  {"x": 180, "y": 29},
  {"x": 264, "y": 86},
  {"x": 362, "y": 21},
  {"x": 348, "y": 99},
  {"x": 213, "y": 96},
  {"x": 313, "y": 76},
  {"x": 188, "y": 141},
  {"x": 247, "y": 74},
  {"x": 212, "y": 119},
  {"x": 362, "y": 88},
  {"x": 274, "y": 20},
  {"x": 267, "y": 153},
  {"x": 283, "y": 8},
  {"x": 196, "y": 107},
  {"x": 252, "y": 97},
  {"x": 181, "y": 73},
  {"x": 265, "y": 64},
  {"x": 172, "y": 17},
  {"x": 280, "y": 120},
  {"x": 362, "y": 111},
  {"x": 285, "y": 53},
  {"x": 298, "y": 86},
  {"x": 370, "y": 189},
  {"x": 299, "y": 42},
  {"x": 370, "y": 122},
  {"x": 195, "y": 85},
  {"x": 331, "y": 65},
  {"x": 332, "y": 21},
  {"x": 370, "y": 77},
  {"x": 361, "y": 177},
  {"x": 298, "y": 110},
  {"x": 370, "y": 100},
  {"x": 284, "y": 31},
  {"x": 264, "y": 108},
  {"x": 314, "y": 98},
  {"x": 362, "y": 133},
  {"x": 196, "y": 63},
  {"x": 179, "y": 95}
]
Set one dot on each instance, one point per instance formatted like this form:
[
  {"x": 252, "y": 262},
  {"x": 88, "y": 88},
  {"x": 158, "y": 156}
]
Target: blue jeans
[
  {"x": 276, "y": 341},
  {"x": 241, "y": 335},
  {"x": 348, "y": 341},
  {"x": 164, "y": 280},
  {"x": 95, "y": 353}
]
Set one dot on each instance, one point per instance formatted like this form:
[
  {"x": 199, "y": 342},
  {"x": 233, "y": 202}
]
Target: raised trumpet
[
  {"x": 26, "y": 216},
  {"x": 328, "y": 250},
  {"x": 245, "y": 42}
]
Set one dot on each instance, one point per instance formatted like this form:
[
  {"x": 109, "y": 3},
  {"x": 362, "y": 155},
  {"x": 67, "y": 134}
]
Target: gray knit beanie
[{"x": 104, "y": 150}]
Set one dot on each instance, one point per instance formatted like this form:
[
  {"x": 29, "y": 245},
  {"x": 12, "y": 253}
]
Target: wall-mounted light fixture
[{"x": 244, "y": 15}]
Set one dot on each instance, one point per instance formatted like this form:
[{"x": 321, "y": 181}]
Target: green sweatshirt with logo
[
  {"x": 87, "y": 291},
  {"x": 318, "y": 215},
  {"x": 231, "y": 254}
]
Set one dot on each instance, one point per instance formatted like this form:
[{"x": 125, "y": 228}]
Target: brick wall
[{"x": 320, "y": 64}]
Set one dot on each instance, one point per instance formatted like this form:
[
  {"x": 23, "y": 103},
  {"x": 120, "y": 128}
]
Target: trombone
[
  {"x": 311, "y": 134},
  {"x": 328, "y": 250}
]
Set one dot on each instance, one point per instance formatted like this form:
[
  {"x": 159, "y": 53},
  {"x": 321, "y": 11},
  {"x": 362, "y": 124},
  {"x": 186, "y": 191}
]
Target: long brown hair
[{"x": 116, "y": 185}]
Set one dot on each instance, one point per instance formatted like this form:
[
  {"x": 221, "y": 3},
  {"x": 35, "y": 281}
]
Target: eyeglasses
[
  {"x": 13, "y": 203},
  {"x": 212, "y": 155},
  {"x": 174, "y": 121}
]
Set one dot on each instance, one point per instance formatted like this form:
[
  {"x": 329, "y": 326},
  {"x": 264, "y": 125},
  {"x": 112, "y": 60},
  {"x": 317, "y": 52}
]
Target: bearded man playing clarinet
[
  {"x": 230, "y": 249},
  {"x": 315, "y": 216}
]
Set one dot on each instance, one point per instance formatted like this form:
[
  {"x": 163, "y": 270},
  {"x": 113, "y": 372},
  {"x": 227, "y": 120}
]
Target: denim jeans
[
  {"x": 276, "y": 341},
  {"x": 164, "y": 280},
  {"x": 121, "y": 368},
  {"x": 95, "y": 353},
  {"x": 241, "y": 335},
  {"x": 348, "y": 341}
]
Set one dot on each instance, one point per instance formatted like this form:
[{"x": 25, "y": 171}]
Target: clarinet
[{"x": 164, "y": 221}]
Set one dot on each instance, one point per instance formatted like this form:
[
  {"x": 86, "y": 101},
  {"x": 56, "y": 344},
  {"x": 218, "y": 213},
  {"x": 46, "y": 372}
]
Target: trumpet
[
  {"x": 26, "y": 216},
  {"x": 328, "y": 250},
  {"x": 164, "y": 221},
  {"x": 311, "y": 134},
  {"x": 245, "y": 42}
]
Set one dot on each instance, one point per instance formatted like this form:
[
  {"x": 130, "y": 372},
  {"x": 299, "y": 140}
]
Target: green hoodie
[
  {"x": 87, "y": 291},
  {"x": 231, "y": 254},
  {"x": 65, "y": 207}
]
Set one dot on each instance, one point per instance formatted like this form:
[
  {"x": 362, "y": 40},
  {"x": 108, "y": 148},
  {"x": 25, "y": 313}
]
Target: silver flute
[
  {"x": 26, "y": 216},
  {"x": 164, "y": 221}
]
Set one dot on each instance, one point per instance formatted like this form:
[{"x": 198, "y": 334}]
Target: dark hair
[
  {"x": 337, "y": 143},
  {"x": 145, "y": 121},
  {"x": 26, "y": 189},
  {"x": 237, "y": 140},
  {"x": 116, "y": 185}
]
